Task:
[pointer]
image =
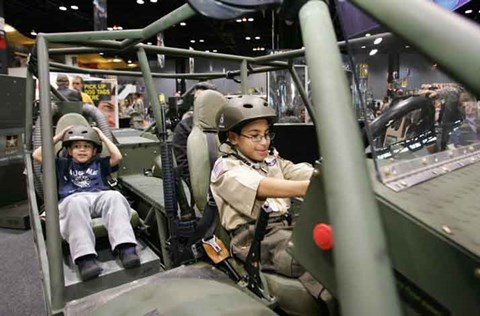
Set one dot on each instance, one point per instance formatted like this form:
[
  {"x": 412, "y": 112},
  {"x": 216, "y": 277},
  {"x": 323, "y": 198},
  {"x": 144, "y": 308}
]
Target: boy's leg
[
  {"x": 75, "y": 225},
  {"x": 114, "y": 209}
]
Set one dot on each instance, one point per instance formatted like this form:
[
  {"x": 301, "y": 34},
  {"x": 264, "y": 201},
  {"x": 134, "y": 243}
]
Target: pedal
[{"x": 215, "y": 249}]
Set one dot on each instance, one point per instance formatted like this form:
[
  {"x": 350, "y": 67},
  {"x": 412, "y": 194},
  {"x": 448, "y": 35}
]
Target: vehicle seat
[
  {"x": 77, "y": 119},
  {"x": 202, "y": 146},
  {"x": 202, "y": 143}
]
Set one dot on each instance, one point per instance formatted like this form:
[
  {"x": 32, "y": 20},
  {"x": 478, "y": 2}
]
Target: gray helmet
[
  {"x": 81, "y": 132},
  {"x": 242, "y": 109},
  {"x": 205, "y": 85}
]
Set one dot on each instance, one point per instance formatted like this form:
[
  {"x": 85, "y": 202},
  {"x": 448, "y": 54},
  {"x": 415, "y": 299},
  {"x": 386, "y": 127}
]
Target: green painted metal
[
  {"x": 59, "y": 66},
  {"x": 192, "y": 53},
  {"x": 152, "y": 92},
  {"x": 200, "y": 76},
  {"x": 357, "y": 228},
  {"x": 75, "y": 50},
  {"x": 29, "y": 97},
  {"x": 54, "y": 248},
  {"x": 37, "y": 230},
  {"x": 91, "y": 36},
  {"x": 178, "y": 15},
  {"x": 148, "y": 188},
  {"x": 365, "y": 39},
  {"x": 435, "y": 270},
  {"x": 244, "y": 76},
  {"x": 422, "y": 31},
  {"x": 314, "y": 211},
  {"x": 174, "y": 17}
]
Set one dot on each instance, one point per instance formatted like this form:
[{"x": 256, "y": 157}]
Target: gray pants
[{"x": 76, "y": 212}]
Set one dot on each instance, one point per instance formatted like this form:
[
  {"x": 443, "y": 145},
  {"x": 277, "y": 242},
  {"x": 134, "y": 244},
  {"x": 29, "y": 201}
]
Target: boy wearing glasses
[{"x": 250, "y": 173}]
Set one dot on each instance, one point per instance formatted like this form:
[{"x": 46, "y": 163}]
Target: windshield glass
[{"x": 413, "y": 114}]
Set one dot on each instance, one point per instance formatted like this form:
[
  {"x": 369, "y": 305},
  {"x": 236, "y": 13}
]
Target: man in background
[
  {"x": 77, "y": 84},
  {"x": 63, "y": 84}
]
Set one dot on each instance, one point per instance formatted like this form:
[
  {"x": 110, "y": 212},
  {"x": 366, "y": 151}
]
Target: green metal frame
[{"x": 331, "y": 106}]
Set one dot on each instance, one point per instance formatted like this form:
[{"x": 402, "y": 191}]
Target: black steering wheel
[{"x": 411, "y": 120}]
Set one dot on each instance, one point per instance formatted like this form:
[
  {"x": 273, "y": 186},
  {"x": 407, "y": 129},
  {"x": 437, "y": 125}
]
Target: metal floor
[{"x": 21, "y": 290}]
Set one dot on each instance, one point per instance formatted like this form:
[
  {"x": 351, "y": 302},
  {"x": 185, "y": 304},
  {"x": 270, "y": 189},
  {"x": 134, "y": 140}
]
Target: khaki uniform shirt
[{"x": 234, "y": 186}]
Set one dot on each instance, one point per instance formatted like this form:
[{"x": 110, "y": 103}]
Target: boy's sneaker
[
  {"x": 88, "y": 267},
  {"x": 128, "y": 256}
]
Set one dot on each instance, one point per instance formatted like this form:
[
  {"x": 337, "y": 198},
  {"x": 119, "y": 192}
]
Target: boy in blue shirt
[{"x": 84, "y": 193}]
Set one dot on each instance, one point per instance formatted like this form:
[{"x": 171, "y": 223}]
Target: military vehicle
[{"x": 405, "y": 237}]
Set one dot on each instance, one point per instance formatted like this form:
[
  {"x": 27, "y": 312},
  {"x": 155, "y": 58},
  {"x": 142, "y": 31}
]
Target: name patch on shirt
[
  {"x": 271, "y": 162},
  {"x": 218, "y": 168}
]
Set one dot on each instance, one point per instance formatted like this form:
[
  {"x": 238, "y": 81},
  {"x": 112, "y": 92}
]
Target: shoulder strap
[{"x": 212, "y": 148}]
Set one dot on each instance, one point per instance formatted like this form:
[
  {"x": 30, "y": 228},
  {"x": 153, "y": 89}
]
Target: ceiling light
[
  {"x": 407, "y": 46},
  {"x": 192, "y": 41},
  {"x": 140, "y": 2},
  {"x": 254, "y": 49},
  {"x": 149, "y": 43},
  {"x": 117, "y": 60},
  {"x": 153, "y": 1},
  {"x": 257, "y": 37},
  {"x": 239, "y": 20},
  {"x": 468, "y": 11},
  {"x": 183, "y": 23},
  {"x": 244, "y": 20},
  {"x": 214, "y": 50},
  {"x": 33, "y": 33},
  {"x": 9, "y": 28},
  {"x": 364, "y": 46},
  {"x": 101, "y": 53},
  {"x": 62, "y": 8},
  {"x": 248, "y": 38},
  {"x": 109, "y": 28},
  {"x": 201, "y": 41},
  {"x": 207, "y": 51},
  {"x": 373, "y": 52},
  {"x": 368, "y": 34},
  {"x": 132, "y": 65},
  {"x": 377, "y": 41},
  {"x": 250, "y": 19},
  {"x": 74, "y": 7},
  {"x": 129, "y": 61},
  {"x": 119, "y": 28}
]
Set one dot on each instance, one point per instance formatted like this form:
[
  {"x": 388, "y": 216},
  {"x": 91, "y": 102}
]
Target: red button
[{"x": 323, "y": 236}]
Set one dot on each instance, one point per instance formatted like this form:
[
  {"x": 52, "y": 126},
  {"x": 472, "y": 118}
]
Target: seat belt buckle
[
  {"x": 112, "y": 182},
  {"x": 215, "y": 249},
  {"x": 213, "y": 243}
]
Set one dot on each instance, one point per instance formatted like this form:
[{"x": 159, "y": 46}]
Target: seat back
[{"x": 202, "y": 143}]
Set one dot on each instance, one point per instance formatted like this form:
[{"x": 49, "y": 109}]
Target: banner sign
[{"x": 104, "y": 96}]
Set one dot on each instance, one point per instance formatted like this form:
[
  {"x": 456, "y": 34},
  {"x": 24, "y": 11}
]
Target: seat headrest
[{"x": 205, "y": 109}]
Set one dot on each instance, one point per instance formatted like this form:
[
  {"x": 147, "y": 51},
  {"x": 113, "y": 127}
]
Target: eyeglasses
[{"x": 258, "y": 138}]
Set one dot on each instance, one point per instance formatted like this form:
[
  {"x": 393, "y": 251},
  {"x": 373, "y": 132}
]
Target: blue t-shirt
[{"x": 88, "y": 177}]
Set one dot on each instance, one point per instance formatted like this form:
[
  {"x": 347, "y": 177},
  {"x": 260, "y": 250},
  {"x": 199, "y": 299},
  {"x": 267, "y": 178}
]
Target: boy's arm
[
  {"x": 280, "y": 188},
  {"x": 37, "y": 153},
  {"x": 115, "y": 154}
]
